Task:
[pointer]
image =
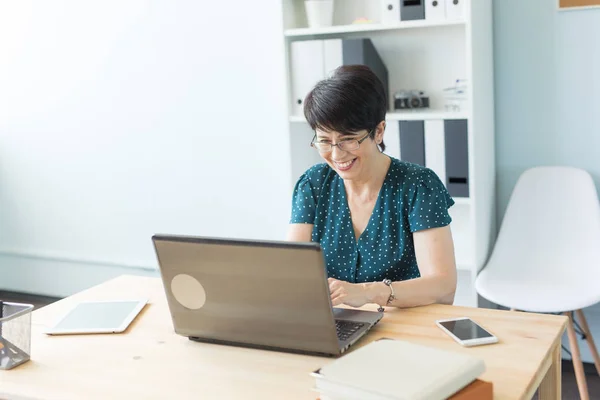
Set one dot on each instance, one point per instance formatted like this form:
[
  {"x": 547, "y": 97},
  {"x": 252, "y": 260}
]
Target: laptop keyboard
[{"x": 345, "y": 329}]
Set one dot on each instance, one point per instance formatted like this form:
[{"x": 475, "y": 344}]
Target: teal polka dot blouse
[{"x": 411, "y": 199}]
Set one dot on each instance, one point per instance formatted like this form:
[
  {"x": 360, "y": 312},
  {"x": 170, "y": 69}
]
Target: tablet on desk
[{"x": 113, "y": 316}]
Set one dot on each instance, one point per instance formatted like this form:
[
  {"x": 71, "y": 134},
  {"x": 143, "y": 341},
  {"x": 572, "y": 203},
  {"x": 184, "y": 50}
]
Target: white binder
[
  {"x": 435, "y": 148},
  {"x": 333, "y": 55},
  {"x": 391, "y": 138},
  {"x": 435, "y": 10},
  {"x": 455, "y": 9},
  {"x": 307, "y": 68},
  {"x": 390, "y": 11}
]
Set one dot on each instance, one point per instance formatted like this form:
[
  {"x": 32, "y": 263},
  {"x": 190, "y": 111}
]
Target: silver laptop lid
[{"x": 246, "y": 292}]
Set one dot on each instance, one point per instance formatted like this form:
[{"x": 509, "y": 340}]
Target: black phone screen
[{"x": 466, "y": 329}]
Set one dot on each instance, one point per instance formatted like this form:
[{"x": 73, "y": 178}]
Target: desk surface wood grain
[{"x": 150, "y": 361}]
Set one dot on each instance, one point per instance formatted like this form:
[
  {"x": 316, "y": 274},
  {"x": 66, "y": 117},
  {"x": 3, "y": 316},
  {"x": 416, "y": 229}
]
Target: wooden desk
[{"x": 150, "y": 361}]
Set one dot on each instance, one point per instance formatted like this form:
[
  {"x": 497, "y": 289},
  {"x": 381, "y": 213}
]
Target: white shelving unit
[
  {"x": 417, "y": 115},
  {"x": 428, "y": 56},
  {"x": 370, "y": 27}
]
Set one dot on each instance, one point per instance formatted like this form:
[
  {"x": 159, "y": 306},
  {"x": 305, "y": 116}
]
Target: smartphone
[{"x": 466, "y": 331}]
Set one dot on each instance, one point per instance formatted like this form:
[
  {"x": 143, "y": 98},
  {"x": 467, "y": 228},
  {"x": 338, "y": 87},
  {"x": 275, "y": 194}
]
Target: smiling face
[
  {"x": 351, "y": 101},
  {"x": 348, "y": 161}
]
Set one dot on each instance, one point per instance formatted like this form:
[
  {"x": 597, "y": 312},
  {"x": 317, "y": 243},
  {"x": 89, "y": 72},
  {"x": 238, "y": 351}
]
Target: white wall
[{"x": 121, "y": 119}]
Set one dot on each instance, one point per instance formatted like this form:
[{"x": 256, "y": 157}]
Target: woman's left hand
[{"x": 352, "y": 294}]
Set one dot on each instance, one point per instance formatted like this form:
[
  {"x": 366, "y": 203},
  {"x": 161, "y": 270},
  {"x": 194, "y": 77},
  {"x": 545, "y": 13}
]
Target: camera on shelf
[{"x": 407, "y": 99}]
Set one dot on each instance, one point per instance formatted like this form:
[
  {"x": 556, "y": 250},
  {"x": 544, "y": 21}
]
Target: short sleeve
[
  {"x": 304, "y": 202},
  {"x": 430, "y": 204}
]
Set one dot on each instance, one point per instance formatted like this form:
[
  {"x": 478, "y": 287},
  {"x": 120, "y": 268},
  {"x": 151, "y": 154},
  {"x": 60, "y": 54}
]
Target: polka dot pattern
[{"x": 411, "y": 199}]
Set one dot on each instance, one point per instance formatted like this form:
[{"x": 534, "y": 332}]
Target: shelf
[
  {"x": 422, "y": 115},
  {"x": 425, "y": 55},
  {"x": 416, "y": 115},
  {"x": 374, "y": 27}
]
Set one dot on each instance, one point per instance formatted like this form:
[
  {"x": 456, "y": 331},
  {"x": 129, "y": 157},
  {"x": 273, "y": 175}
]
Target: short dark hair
[{"x": 350, "y": 100}]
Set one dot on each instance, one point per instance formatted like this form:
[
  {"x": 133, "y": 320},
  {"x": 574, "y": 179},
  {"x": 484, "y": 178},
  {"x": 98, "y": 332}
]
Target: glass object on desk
[
  {"x": 15, "y": 334},
  {"x": 455, "y": 97}
]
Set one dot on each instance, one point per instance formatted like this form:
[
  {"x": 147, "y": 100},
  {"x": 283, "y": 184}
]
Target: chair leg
[
  {"x": 589, "y": 338},
  {"x": 577, "y": 365}
]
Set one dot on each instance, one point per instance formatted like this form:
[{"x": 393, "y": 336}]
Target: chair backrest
[{"x": 551, "y": 225}]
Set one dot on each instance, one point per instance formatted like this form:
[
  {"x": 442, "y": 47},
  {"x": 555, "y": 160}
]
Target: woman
[{"x": 383, "y": 224}]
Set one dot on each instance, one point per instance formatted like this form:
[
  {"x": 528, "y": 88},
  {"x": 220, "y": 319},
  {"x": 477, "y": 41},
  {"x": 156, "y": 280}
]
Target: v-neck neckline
[{"x": 375, "y": 207}]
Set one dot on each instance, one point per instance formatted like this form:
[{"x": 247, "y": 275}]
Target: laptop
[{"x": 261, "y": 294}]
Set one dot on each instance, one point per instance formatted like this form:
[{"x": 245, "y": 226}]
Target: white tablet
[{"x": 98, "y": 317}]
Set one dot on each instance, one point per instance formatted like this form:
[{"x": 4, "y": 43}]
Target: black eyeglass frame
[{"x": 359, "y": 141}]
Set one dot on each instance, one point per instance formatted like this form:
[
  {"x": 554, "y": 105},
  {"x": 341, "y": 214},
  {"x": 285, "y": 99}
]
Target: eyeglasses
[{"x": 344, "y": 145}]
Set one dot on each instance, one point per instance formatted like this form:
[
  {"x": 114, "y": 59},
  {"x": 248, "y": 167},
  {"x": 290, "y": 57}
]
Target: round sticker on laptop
[{"x": 188, "y": 291}]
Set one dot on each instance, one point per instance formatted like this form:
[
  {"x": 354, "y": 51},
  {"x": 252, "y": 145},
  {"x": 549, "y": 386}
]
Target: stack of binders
[
  {"x": 313, "y": 60},
  {"x": 441, "y": 145},
  {"x": 393, "y": 11}
]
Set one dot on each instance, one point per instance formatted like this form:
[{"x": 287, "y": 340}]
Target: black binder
[
  {"x": 361, "y": 51},
  {"x": 412, "y": 10},
  {"x": 412, "y": 142},
  {"x": 457, "y": 157}
]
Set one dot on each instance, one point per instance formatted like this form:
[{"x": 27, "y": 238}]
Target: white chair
[{"x": 547, "y": 255}]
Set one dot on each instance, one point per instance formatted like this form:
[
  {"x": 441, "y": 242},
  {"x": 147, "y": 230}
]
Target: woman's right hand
[{"x": 352, "y": 294}]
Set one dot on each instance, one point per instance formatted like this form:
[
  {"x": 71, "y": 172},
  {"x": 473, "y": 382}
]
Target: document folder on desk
[{"x": 397, "y": 370}]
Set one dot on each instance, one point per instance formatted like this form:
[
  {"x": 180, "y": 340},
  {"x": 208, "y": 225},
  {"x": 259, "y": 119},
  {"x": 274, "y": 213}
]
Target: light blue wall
[
  {"x": 578, "y": 90},
  {"x": 547, "y": 86}
]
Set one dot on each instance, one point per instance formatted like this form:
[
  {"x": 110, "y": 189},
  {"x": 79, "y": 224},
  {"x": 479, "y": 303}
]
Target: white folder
[
  {"x": 391, "y": 138},
  {"x": 390, "y": 11},
  {"x": 333, "y": 55},
  {"x": 307, "y": 68},
  {"x": 435, "y": 10},
  {"x": 435, "y": 148},
  {"x": 455, "y": 9}
]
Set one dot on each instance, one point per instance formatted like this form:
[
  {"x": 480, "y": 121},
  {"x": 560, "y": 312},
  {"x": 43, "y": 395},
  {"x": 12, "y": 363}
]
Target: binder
[
  {"x": 411, "y": 10},
  {"x": 412, "y": 142},
  {"x": 435, "y": 147},
  {"x": 362, "y": 51},
  {"x": 354, "y": 51},
  {"x": 333, "y": 55},
  {"x": 435, "y": 10},
  {"x": 307, "y": 61},
  {"x": 455, "y": 9},
  {"x": 314, "y": 60},
  {"x": 392, "y": 140},
  {"x": 390, "y": 11},
  {"x": 457, "y": 157}
]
